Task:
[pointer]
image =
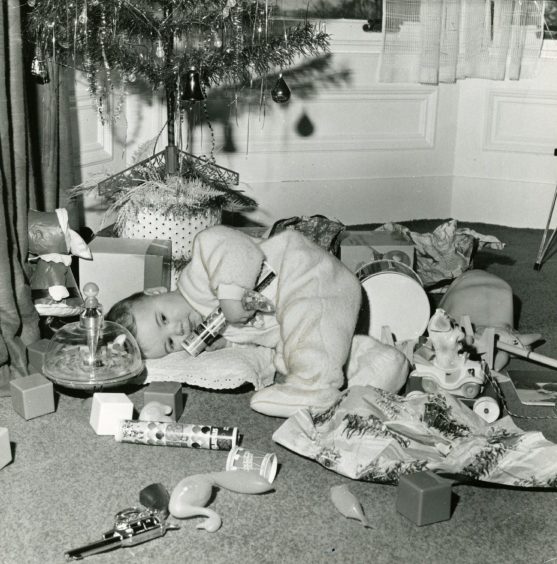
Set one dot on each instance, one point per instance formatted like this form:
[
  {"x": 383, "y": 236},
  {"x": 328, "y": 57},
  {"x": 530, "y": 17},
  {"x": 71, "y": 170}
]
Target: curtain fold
[
  {"x": 54, "y": 142},
  {"x": 18, "y": 318},
  {"x": 435, "y": 41}
]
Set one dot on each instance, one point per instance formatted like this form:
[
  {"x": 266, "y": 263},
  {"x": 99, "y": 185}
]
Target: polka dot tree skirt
[{"x": 180, "y": 229}]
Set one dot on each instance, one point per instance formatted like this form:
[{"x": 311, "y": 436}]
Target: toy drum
[{"x": 397, "y": 299}]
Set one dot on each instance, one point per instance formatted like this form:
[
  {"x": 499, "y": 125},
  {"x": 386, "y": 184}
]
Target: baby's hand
[
  {"x": 220, "y": 343},
  {"x": 235, "y": 312}
]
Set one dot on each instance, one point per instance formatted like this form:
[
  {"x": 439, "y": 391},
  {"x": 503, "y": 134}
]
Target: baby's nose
[{"x": 177, "y": 343}]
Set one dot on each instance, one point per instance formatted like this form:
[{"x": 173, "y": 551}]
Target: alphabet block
[
  {"x": 424, "y": 498},
  {"x": 167, "y": 393},
  {"x": 5, "y": 447},
  {"x": 32, "y": 396},
  {"x": 107, "y": 410},
  {"x": 35, "y": 354}
]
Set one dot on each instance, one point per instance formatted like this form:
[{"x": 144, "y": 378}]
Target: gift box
[
  {"x": 358, "y": 248},
  {"x": 121, "y": 267}
]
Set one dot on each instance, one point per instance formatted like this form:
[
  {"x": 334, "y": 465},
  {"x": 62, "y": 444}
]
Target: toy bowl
[{"x": 71, "y": 361}]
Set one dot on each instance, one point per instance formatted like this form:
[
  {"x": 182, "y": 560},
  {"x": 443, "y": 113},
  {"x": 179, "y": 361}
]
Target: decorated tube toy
[{"x": 162, "y": 433}]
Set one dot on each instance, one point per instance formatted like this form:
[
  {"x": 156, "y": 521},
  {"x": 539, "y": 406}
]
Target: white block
[
  {"x": 108, "y": 410},
  {"x": 5, "y": 447}
]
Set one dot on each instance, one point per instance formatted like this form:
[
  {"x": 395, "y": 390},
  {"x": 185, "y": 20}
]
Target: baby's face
[{"x": 163, "y": 321}]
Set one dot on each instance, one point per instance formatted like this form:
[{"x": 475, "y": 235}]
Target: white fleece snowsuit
[{"x": 316, "y": 299}]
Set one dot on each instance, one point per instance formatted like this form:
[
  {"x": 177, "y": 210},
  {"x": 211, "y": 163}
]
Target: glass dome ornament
[{"x": 92, "y": 354}]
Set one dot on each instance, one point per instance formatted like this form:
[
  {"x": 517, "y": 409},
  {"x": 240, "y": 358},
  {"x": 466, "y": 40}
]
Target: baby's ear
[{"x": 155, "y": 291}]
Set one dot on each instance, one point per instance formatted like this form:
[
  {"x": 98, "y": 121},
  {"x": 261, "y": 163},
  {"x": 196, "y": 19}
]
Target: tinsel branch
[{"x": 225, "y": 40}]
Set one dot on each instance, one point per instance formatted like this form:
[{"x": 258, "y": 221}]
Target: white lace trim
[{"x": 218, "y": 370}]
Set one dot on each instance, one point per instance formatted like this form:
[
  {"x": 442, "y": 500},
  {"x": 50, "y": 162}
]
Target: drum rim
[{"x": 409, "y": 270}]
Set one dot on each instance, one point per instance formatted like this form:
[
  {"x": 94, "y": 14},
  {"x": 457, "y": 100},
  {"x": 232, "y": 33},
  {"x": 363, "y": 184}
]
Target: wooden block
[
  {"x": 5, "y": 447},
  {"x": 107, "y": 410},
  {"x": 32, "y": 396},
  {"x": 424, "y": 498},
  {"x": 36, "y": 353},
  {"x": 167, "y": 393}
]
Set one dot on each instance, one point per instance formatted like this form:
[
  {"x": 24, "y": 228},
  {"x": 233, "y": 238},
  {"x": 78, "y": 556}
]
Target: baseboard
[
  {"x": 502, "y": 201},
  {"x": 354, "y": 201}
]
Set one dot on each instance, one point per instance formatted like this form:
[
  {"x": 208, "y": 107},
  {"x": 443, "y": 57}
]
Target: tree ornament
[
  {"x": 217, "y": 41},
  {"x": 280, "y": 92},
  {"x": 83, "y": 16},
  {"x": 159, "y": 51},
  {"x": 39, "y": 69},
  {"x": 31, "y": 3},
  {"x": 191, "y": 90}
]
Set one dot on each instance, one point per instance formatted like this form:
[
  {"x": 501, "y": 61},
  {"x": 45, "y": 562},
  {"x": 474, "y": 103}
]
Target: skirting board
[
  {"x": 379, "y": 200},
  {"x": 502, "y": 202},
  {"x": 354, "y": 201}
]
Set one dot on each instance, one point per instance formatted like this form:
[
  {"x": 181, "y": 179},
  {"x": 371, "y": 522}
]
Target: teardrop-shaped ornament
[{"x": 281, "y": 93}]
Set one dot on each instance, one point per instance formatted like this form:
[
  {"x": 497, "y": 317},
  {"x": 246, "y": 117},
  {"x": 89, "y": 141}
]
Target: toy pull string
[{"x": 501, "y": 396}]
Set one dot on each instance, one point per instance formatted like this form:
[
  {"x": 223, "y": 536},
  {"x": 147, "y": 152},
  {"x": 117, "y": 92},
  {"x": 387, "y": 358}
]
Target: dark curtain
[
  {"x": 54, "y": 144},
  {"x": 36, "y": 170},
  {"x": 18, "y": 318}
]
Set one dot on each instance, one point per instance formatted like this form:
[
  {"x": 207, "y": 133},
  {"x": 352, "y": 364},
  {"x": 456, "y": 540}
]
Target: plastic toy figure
[
  {"x": 51, "y": 246},
  {"x": 192, "y": 494},
  {"x": 445, "y": 364}
]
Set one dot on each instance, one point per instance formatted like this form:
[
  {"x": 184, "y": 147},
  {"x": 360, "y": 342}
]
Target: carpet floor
[{"x": 65, "y": 483}]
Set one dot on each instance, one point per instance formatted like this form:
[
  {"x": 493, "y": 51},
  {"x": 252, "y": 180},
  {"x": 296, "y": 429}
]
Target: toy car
[{"x": 466, "y": 380}]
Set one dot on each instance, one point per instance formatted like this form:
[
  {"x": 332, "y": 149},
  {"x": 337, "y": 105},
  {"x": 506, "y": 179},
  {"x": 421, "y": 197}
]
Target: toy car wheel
[
  {"x": 470, "y": 390},
  {"x": 429, "y": 386}
]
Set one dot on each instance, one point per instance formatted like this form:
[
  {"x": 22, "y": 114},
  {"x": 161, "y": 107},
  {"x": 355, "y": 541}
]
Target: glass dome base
[{"x": 77, "y": 360}]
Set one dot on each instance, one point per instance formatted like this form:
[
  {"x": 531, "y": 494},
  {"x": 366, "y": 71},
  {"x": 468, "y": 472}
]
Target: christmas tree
[{"x": 182, "y": 48}]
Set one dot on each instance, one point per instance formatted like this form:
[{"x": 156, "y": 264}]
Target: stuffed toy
[{"x": 51, "y": 246}]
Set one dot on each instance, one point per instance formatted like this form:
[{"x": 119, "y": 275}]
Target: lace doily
[{"x": 217, "y": 370}]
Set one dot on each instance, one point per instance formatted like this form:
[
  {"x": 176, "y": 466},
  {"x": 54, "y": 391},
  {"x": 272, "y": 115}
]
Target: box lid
[
  {"x": 371, "y": 238},
  {"x": 130, "y": 246}
]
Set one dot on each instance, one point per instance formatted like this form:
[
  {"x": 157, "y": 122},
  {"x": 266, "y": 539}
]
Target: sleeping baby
[{"x": 315, "y": 303}]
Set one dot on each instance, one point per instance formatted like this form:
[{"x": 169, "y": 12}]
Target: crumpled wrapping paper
[
  {"x": 444, "y": 254},
  {"x": 377, "y": 436},
  {"x": 321, "y": 230}
]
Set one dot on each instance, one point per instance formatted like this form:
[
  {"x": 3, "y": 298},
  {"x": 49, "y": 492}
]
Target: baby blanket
[{"x": 226, "y": 368}]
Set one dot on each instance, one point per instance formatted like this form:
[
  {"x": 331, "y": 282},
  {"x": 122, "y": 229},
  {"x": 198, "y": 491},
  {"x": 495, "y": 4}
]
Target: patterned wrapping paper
[
  {"x": 377, "y": 436},
  {"x": 177, "y": 434},
  {"x": 444, "y": 254}
]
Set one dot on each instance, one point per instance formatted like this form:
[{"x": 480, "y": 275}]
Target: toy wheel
[
  {"x": 470, "y": 390},
  {"x": 429, "y": 386}
]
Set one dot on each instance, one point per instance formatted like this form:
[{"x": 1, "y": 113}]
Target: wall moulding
[
  {"x": 521, "y": 121},
  {"x": 362, "y": 121},
  {"x": 96, "y": 144}
]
